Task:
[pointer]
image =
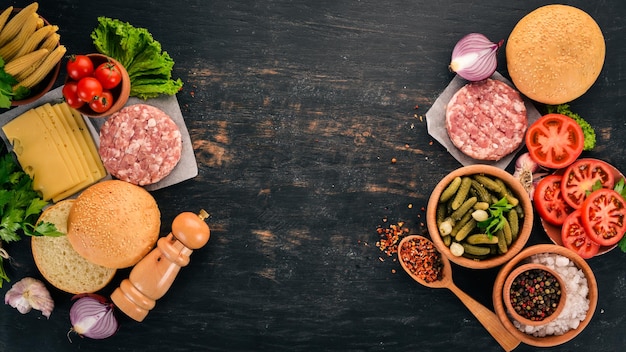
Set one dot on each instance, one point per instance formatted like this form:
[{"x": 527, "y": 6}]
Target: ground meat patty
[
  {"x": 486, "y": 120},
  {"x": 140, "y": 144}
]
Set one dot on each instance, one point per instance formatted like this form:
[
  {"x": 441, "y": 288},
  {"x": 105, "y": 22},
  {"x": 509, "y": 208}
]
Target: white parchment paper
[
  {"x": 186, "y": 168},
  {"x": 436, "y": 122}
]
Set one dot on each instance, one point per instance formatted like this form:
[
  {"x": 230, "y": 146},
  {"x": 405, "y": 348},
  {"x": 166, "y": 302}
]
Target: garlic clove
[{"x": 30, "y": 293}]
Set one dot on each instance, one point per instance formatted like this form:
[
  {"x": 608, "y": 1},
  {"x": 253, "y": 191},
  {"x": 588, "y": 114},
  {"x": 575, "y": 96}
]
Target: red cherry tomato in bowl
[
  {"x": 603, "y": 215},
  {"x": 108, "y": 74},
  {"x": 79, "y": 66},
  {"x": 70, "y": 94},
  {"x": 102, "y": 102},
  {"x": 88, "y": 88},
  {"x": 580, "y": 177},
  {"x": 554, "y": 141},
  {"x": 549, "y": 201},
  {"x": 574, "y": 236}
]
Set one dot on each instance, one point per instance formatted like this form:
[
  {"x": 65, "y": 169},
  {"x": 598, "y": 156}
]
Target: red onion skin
[
  {"x": 477, "y": 68},
  {"x": 93, "y": 317}
]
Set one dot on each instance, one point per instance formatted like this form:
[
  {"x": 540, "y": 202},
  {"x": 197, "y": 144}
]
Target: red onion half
[
  {"x": 92, "y": 316},
  {"x": 474, "y": 57}
]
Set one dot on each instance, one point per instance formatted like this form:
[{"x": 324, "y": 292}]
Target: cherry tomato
[
  {"x": 108, "y": 74},
  {"x": 603, "y": 216},
  {"x": 580, "y": 177},
  {"x": 88, "y": 88},
  {"x": 549, "y": 201},
  {"x": 554, "y": 141},
  {"x": 102, "y": 102},
  {"x": 574, "y": 236},
  {"x": 79, "y": 66},
  {"x": 69, "y": 93}
]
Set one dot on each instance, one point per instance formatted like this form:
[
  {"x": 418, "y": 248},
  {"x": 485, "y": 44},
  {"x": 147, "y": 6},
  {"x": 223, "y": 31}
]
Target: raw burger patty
[
  {"x": 486, "y": 120},
  {"x": 140, "y": 144}
]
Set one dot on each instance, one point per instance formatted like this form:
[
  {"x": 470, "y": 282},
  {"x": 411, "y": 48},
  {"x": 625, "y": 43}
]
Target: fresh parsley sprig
[
  {"x": 20, "y": 207},
  {"x": 496, "y": 218},
  {"x": 6, "y": 88}
]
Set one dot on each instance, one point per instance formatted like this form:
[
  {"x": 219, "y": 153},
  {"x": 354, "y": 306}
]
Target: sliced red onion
[
  {"x": 474, "y": 57},
  {"x": 92, "y": 316}
]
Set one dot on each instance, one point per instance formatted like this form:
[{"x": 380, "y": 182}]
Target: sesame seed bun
[
  {"x": 555, "y": 54},
  {"x": 59, "y": 263},
  {"x": 114, "y": 224}
]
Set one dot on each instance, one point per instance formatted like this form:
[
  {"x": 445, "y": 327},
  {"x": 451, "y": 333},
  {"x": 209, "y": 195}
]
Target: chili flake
[
  {"x": 422, "y": 258},
  {"x": 390, "y": 237}
]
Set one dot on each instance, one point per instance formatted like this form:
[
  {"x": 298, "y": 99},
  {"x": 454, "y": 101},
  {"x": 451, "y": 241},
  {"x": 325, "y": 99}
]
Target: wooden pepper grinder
[{"x": 153, "y": 275}]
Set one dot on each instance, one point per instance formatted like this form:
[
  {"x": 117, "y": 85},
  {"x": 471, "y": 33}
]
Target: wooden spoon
[{"x": 487, "y": 318}]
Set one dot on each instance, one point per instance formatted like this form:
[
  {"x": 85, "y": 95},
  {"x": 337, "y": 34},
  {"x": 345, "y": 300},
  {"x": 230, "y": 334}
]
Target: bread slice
[{"x": 59, "y": 263}]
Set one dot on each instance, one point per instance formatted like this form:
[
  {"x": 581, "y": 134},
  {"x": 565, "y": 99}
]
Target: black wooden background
[{"x": 296, "y": 109}]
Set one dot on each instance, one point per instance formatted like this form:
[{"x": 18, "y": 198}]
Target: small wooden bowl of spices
[{"x": 534, "y": 294}]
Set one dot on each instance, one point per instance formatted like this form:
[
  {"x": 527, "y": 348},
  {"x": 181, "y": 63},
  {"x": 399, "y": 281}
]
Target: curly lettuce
[{"x": 149, "y": 68}]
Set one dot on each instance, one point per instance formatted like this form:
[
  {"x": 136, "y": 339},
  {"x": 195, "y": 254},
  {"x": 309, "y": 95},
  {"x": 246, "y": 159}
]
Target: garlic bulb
[{"x": 30, "y": 293}]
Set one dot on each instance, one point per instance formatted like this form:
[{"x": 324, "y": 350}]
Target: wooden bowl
[
  {"x": 552, "y": 340},
  {"x": 506, "y": 292},
  {"x": 518, "y": 191},
  {"x": 45, "y": 85},
  {"x": 120, "y": 93}
]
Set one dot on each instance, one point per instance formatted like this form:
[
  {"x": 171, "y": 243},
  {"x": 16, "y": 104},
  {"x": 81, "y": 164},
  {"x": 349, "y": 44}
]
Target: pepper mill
[{"x": 153, "y": 275}]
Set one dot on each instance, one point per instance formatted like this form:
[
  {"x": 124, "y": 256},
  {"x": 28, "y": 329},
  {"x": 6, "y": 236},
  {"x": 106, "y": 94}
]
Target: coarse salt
[{"x": 576, "y": 302}]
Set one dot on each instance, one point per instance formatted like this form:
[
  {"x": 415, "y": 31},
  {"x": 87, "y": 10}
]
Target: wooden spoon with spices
[{"x": 421, "y": 260}]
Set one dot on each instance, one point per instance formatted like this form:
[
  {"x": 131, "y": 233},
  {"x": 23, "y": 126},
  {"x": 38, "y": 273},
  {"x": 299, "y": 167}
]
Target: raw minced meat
[
  {"x": 140, "y": 144},
  {"x": 486, "y": 120}
]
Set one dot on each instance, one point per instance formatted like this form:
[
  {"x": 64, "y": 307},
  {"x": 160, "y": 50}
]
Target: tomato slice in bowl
[
  {"x": 574, "y": 236},
  {"x": 554, "y": 231},
  {"x": 603, "y": 215},
  {"x": 580, "y": 177},
  {"x": 549, "y": 202},
  {"x": 554, "y": 141}
]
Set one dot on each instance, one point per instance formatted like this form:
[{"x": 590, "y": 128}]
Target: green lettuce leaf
[{"x": 148, "y": 66}]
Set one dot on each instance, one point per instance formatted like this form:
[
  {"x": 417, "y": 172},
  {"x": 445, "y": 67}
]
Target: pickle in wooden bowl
[{"x": 479, "y": 216}]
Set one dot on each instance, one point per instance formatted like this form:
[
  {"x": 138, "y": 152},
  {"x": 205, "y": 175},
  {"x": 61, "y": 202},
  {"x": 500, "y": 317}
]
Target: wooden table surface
[{"x": 296, "y": 110}]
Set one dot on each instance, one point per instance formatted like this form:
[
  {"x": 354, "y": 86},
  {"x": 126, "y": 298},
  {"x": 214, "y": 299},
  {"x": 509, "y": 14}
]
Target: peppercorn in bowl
[
  {"x": 534, "y": 294},
  {"x": 479, "y": 216},
  {"x": 578, "y": 285}
]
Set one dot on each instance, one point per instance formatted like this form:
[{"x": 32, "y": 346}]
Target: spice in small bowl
[{"x": 534, "y": 294}]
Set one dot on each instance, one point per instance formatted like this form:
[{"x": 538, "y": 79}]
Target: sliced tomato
[
  {"x": 580, "y": 177},
  {"x": 603, "y": 216},
  {"x": 574, "y": 236},
  {"x": 554, "y": 141},
  {"x": 549, "y": 202}
]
